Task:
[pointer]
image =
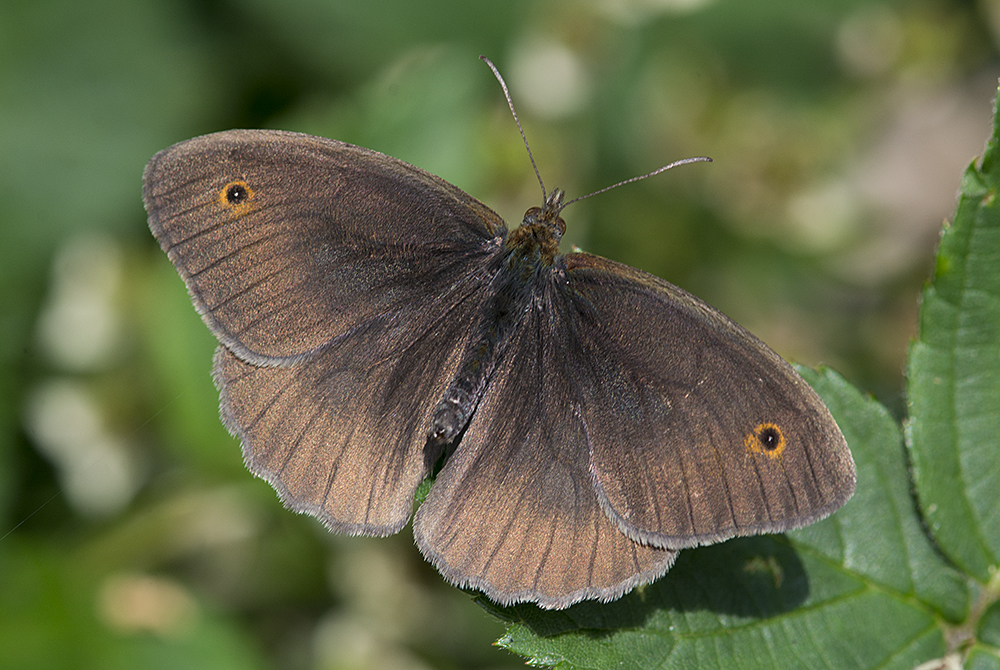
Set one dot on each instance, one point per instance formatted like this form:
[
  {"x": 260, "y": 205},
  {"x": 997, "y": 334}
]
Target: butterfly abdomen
[{"x": 501, "y": 316}]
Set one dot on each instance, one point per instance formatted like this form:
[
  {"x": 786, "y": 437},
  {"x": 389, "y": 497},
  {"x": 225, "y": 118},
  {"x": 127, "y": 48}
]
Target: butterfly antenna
[
  {"x": 510, "y": 103},
  {"x": 683, "y": 161}
]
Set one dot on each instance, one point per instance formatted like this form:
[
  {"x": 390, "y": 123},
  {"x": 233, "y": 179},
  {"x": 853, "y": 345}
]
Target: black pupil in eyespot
[
  {"x": 236, "y": 193},
  {"x": 769, "y": 438}
]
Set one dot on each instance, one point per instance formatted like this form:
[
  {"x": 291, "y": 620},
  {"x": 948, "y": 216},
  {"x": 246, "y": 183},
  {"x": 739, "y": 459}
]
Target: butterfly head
[
  {"x": 539, "y": 233},
  {"x": 548, "y": 216}
]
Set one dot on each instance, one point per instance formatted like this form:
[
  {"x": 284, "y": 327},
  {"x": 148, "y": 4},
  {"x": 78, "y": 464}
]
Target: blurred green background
[{"x": 130, "y": 533}]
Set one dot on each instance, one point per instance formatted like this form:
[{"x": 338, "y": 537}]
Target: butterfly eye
[
  {"x": 235, "y": 193},
  {"x": 766, "y": 438}
]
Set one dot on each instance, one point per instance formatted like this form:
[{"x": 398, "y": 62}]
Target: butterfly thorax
[{"x": 530, "y": 250}]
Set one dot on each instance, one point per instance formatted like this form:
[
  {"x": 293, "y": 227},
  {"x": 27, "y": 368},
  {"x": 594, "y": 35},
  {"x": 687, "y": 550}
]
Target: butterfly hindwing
[
  {"x": 513, "y": 512},
  {"x": 343, "y": 435}
]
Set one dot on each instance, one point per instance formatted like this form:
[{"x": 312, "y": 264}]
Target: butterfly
[{"x": 585, "y": 420}]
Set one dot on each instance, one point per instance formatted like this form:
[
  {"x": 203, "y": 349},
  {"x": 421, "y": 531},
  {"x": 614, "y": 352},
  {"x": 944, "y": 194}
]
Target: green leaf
[
  {"x": 989, "y": 626},
  {"x": 983, "y": 659},
  {"x": 878, "y": 535},
  {"x": 954, "y": 380}
]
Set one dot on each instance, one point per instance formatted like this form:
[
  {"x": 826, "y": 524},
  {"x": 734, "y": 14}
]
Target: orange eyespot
[
  {"x": 235, "y": 195},
  {"x": 766, "y": 438}
]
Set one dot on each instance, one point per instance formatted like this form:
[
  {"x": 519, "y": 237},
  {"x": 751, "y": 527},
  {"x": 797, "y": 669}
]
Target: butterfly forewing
[
  {"x": 287, "y": 241},
  {"x": 697, "y": 432}
]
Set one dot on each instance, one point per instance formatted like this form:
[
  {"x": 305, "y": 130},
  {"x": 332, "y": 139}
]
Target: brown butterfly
[{"x": 374, "y": 318}]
